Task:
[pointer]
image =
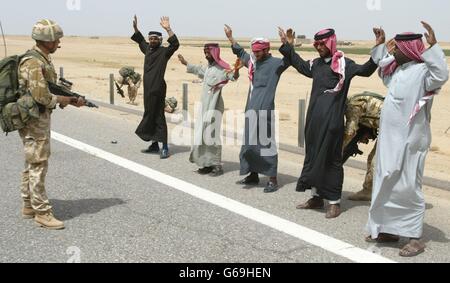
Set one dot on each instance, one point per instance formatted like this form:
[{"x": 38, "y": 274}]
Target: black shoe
[
  {"x": 271, "y": 187},
  {"x": 249, "y": 180},
  {"x": 153, "y": 149},
  {"x": 216, "y": 171},
  {"x": 204, "y": 170},
  {"x": 164, "y": 154}
]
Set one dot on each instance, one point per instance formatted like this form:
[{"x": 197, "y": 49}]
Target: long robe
[
  {"x": 259, "y": 151},
  {"x": 398, "y": 205},
  {"x": 153, "y": 126},
  {"x": 207, "y": 148},
  {"x": 324, "y": 128}
]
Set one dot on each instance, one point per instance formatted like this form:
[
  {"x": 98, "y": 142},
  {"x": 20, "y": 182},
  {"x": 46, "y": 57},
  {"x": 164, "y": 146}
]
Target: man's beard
[
  {"x": 155, "y": 45},
  {"x": 325, "y": 55}
]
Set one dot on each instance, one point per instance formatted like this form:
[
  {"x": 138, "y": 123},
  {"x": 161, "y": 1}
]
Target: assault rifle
[
  {"x": 119, "y": 90},
  {"x": 352, "y": 149},
  {"x": 64, "y": 90}
]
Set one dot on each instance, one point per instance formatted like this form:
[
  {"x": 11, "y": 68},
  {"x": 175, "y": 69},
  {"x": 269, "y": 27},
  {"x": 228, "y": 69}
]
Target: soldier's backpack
[
  {"x": 127, "y": 71},
  {"x": 17, "y": 106},
  {"x": 136, "y": 77},
  {"x": 368, "y": 93}
]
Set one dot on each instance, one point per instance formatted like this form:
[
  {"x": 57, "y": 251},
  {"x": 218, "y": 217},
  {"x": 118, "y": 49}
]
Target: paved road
[{"x": 120, "y": 205}]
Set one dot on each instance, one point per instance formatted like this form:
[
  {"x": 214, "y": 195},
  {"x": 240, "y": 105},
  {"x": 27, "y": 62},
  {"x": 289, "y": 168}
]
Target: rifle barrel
[{"x": 61, "y": 91}]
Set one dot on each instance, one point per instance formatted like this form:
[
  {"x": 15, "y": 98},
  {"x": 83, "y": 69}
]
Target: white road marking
[{"x": 315, "y": 238}]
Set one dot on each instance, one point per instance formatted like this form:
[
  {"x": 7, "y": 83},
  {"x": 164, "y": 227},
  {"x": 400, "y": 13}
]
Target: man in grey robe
[
  {"x": 413, "y": 75},
  {"x": 259, "y": 151},
  {"x": 207, "y": 149}
]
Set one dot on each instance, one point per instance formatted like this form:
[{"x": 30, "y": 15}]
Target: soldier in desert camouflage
[
  {"x": 132, "y": 79},
  {"x": 35, "y": 69},
  {"x": 363, "y": 109}
]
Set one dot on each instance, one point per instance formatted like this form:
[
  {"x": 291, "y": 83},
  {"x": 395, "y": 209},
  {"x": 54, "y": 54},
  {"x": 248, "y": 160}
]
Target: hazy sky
[{"x": 352, "y": 19}]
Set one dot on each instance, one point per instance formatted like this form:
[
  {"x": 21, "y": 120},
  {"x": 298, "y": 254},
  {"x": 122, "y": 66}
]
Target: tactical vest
[{"x": 48, "y": 70}]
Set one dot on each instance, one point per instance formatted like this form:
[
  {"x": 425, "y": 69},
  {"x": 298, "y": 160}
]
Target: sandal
[
  {"x": 410, "y": 250},
  {"x": 383, "y": 238}
]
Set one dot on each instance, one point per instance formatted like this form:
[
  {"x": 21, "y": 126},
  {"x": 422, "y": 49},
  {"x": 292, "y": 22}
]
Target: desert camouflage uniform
[
  {"x": 363, "y": 110},
  {"x": 33, "y": 74},
  {"x": 132, "y": 87},
  {"x": 171, "y": 104}
]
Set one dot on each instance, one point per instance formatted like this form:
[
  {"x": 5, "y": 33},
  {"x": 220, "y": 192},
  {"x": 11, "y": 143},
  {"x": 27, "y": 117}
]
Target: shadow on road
[
  {"x": 175, "y": 149},
  {"x": 69, "y": 209},
  {"x": 433, "y": 234},
  {"x": 283, "y": 179}
]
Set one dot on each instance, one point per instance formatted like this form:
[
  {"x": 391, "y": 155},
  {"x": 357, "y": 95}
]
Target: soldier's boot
[
  {"x": 362, "y": 195},
  {"x": 48, "y": 221},
  {"x": 27, "y": 211}
]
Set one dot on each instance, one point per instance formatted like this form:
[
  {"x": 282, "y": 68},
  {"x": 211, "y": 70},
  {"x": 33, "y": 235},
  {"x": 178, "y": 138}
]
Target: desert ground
[{"x": 88, "y": 61}]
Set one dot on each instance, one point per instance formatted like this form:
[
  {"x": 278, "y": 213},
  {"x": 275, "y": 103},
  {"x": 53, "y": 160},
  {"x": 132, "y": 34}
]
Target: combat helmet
[{"x": 47, "y": 30}]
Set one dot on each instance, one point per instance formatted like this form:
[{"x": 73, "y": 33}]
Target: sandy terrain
[{"x": 89, "y": 61}]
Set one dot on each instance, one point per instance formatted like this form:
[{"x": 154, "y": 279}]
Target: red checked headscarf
[
  {"x": 214, "y": 49},
  {"x": 413, "y": 49},
  {"x": 258, "y": 44},
  {"x": 337, "y": 61}
]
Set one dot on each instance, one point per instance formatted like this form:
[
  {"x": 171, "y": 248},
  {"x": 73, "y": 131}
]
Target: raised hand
[
  {"x": 380, "y": 36},
  {"x": 135, "y": 24},
  {"x": 228, "y": 32},
  {"x": 429, "y": 35},
  {"x": 390, "y": 45},
  {"x": 283, "y": 35},
  {"x": 182, "y": 60},
  {"x": 165, "y": 23},
  {"x": 290, "y": 33}
]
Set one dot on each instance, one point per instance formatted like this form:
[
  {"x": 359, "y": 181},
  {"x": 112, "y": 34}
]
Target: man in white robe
[
  {"x": 413, "y": 75},
  {"x": 207, "y": 149}
]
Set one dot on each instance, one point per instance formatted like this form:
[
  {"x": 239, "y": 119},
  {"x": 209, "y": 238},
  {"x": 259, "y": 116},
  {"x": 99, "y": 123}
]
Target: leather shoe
[
  {"x": 333, "y": 211},
  {"x": 151, "y": 150},
  {"x": 204, "y": 170},
  {"x": 383, "y": 238},
  {"x": 249, "y": 180},
  {"x": 312, "y": 203},
  {"x": 164, "y": 154},
  {"x": 216, "y": 171},
  {"x": 271, "y": 187}
]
